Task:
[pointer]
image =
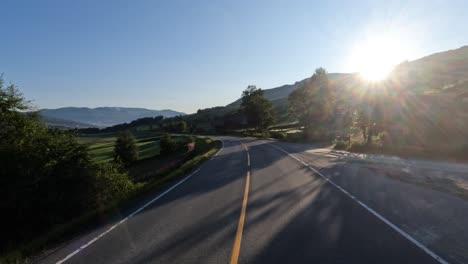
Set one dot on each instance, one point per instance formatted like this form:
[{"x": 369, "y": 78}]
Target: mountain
[
  {"x": 101, "y": 116},
  {"x": 434, "y": 72},
  {"x": 63, "y": 123}
]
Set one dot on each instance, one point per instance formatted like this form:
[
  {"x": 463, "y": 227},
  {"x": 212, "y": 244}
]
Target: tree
[
  {"x": 167, "y": 144},
  {"x": 368, "y": 117},
  {"x": 256, "y": 108},
  {"x": 125, "y": 149},
  {"x": 313, "y": 102},
  {"x": 313, "y": 105},
  {"x": 181, "y": 127}
]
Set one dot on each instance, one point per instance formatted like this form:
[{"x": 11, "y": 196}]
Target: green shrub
[
  {"x": 191, "y": 139},
  {"x": 340, "y": 145},
  {"x": 317, "y": 134},
  {"x": 364, "y": 147},
  {"x": 278, "y": 135},
  {"x": 125, "y": 149},
  {"x": 384, "y": 139},
  {"x": 167, "y": 144},
  {"x": 111, "y": 186},
  {"x": 463, "y": 151}
]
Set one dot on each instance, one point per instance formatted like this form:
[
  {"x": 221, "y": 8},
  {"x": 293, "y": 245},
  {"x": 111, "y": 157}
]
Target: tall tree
[
  {"x": 256, "y": 108},
  {"x": 125, "y": 149},
  {"x": 313, "y": 102}
]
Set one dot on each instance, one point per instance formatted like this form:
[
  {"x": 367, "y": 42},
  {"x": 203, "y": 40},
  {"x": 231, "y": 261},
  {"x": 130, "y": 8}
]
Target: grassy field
[{"x": 101, "y": 147}]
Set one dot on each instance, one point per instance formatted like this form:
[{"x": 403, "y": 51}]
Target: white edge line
[
  {"x": 130, "y": 215},
  {"x": 222, "y": 146},
  {"x": 372, "y": 211}
]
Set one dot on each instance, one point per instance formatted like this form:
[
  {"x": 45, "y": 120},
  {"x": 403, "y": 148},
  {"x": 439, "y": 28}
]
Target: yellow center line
[{"x": 240, "y": 226}]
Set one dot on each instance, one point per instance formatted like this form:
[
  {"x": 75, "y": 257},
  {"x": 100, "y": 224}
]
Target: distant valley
[{"x": 80, "y": 117}]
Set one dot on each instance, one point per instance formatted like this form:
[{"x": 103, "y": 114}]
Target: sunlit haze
[
  {"x": 187, "y": 55},
  {"x": 376, "y": 58}
]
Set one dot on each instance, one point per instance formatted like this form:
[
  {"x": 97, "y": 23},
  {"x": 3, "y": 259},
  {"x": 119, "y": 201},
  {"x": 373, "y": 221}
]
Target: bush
[
  {"x": 317, "y": 134},
  {"x": 340, "y": 145},
  {"x": 384, "y": 139},
  {"x": 167, "y": 144},
  {"x": 463, "y": 151},
  {"x": 278, "y": 135},
  {"x": 111, "y": 186},
  {"x": 364, "y": 147},
  {"x": 42, "y": 181},
  {"x": 125, "y": 149}
]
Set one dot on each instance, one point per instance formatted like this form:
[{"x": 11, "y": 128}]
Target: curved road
[{"x": 254, "y": 202}]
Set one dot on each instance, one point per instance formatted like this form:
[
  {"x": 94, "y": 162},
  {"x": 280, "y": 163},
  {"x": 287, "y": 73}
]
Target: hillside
[
  {"x": 282, "y": 92},
  {"x": 104, "y": 116},
  {"x": 436, "y": 72},
  {"x": 63, "y": 123}
]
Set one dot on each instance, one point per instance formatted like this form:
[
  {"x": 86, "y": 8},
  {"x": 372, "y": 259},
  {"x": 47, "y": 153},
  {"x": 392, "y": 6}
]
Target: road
[{"x": 258, "y": 201}]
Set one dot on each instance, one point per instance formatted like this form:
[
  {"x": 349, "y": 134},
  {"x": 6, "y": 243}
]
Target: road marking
[
  {"x": 372, "y": 211},
  {"x": 216, "y": 154},
  {"x": 240, "y": 226},
  {"x": 131, "y": 215},
  {"x": 248, "y": 155}
]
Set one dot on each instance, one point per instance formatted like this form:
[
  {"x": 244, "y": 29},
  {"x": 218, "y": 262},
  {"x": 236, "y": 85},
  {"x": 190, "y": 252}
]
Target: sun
[
  {"x": 375, "y": 71},
  {"x": 375, "y": 57}
]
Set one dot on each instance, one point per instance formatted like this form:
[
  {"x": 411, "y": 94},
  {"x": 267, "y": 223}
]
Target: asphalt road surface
[{"x": 255, "y": 202}]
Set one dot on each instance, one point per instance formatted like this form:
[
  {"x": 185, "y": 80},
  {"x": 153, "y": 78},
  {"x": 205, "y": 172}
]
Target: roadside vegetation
[{"x": 65, "y": 182}]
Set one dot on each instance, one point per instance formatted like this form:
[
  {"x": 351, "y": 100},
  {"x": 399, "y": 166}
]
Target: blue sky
[{"x": 186, "y": 55}]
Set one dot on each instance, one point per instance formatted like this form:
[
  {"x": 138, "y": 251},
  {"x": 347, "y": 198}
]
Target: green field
[{"x": 101, "y": 147}]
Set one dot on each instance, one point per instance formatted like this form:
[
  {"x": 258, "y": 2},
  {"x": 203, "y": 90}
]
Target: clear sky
[{"x": 186, "y": 55}]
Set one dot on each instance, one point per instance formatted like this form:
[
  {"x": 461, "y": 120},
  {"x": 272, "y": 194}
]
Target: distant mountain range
[{"x": 80, "y": 117}]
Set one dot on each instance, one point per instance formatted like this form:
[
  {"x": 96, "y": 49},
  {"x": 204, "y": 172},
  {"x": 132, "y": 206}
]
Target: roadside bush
[
  {"x": 340, "y": 145},
  {"x": 317, "y": 134},
  {"x": 463, "y": 151},
  {"x": 43, "y": 174},
  {"x": 384, "y": 139},
  {"x": 125, "y": 149},
  {"x": 167, "y": 144},
  {"x": 110, "y": 185},
  {"x": 191, "y": 139},
  {"x": 278, "y": 135},
  {"x": 202, "y": 144},
  {"x": 364, "y": 147}
]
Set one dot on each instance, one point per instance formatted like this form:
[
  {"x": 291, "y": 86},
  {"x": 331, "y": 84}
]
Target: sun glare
[{"x": 376, "y": 57}]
